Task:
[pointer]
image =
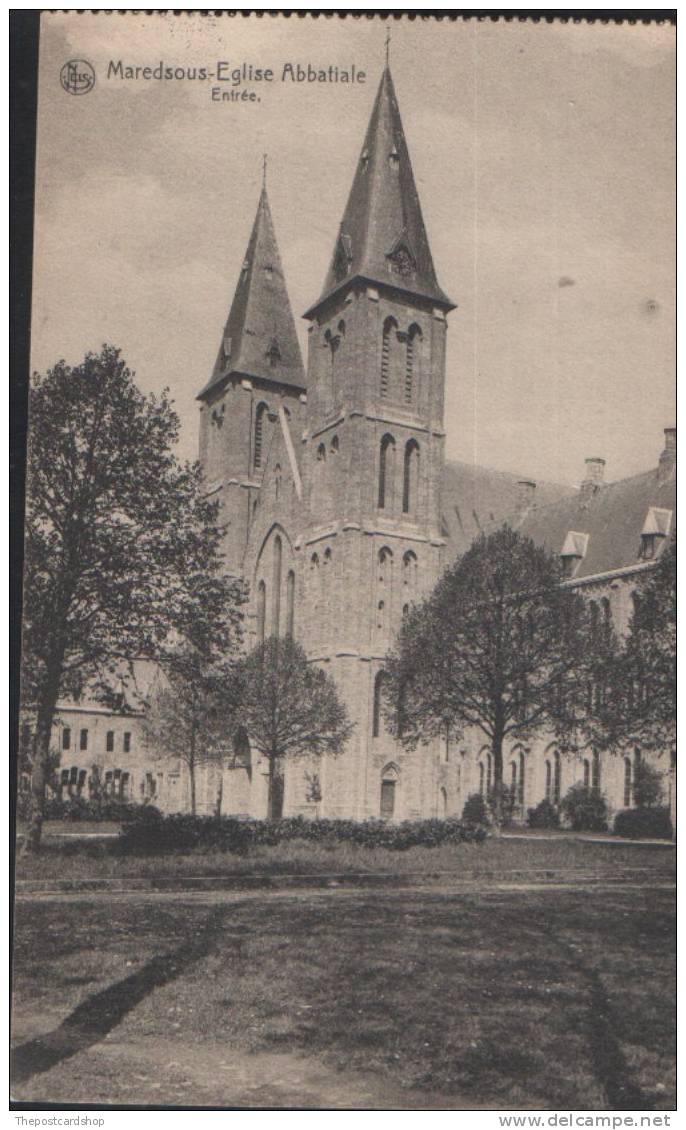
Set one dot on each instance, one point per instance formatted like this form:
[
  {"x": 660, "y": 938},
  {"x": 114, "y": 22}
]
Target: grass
[
  {"x": 519, "y": 1000},
  {"x": 103, "y": 860}
]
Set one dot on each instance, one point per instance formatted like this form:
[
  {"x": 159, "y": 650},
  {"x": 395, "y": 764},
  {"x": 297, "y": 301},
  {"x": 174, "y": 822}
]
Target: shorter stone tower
[{"x": 258, "y": 372}]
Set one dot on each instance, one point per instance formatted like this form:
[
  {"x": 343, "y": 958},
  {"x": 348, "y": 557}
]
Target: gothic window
[
  {"x": 277, "y": 480},
  {"x": 522, "y": 772},
  {"x": 83, "y": 740},
  {"x": 406, "y": 609},
  {"x": 513, "y": 779},
  {"x": 258, "y": 445},
  {"x": 627, "y": 782},
  {"x": 321, "y": 453},
  {"x": 109, "y": 741},
  {"x": 557, "y": 777},
  {"x": 276, "y": 581},
  {"x": 414, "y": 337},
  {"x": 66, "y": 738},
  {"x": 390, "y": 329},
  {"x": 378, "y": 703},
  {"x": 261, "y": 610},
  {"x": 410, "y": 476},
  {"x": 595, "y": 772},
  {"x": 386, "y": 467},
  {"x": 273, "y": 353},
  {"x": 409, "y": 575},
  {"x": 290, "y": 603}
]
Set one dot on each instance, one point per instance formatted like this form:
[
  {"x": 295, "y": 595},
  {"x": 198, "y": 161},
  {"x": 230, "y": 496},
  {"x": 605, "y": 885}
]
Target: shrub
[
  {"x": 544, "y": 815},
  {"x": 475, "y": 811},
  {"x": 148, "y": 831},
  {"x": 647, "y": 786},
  {"x": 644, "y": 823},
  {"x": 82, "y": 808},
  {"x": 585, "y": 809}
]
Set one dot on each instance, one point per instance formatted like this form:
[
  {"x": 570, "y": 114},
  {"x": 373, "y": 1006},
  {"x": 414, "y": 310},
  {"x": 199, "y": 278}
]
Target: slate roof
[
  {"x": 477, "y": 499},
  {"x": 613, "y": 518},
  {"x": 382, "y": 236},
  {"x": 259, "y": 338}
]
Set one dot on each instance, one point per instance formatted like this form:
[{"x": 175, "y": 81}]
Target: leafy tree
[
  {"x": 120, "y": 541},
  {"x": 647, "y": 785},
  {"x": 641, "y": 705},
  {"x": 288, "y": 707},
  {"x": 499, "y": 646}
]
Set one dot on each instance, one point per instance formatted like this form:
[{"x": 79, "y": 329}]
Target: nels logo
[{"x": 77, "y": 77}]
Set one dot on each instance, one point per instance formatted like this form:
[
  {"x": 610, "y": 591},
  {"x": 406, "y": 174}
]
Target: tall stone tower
[
  {"x": 373, "y": 458},
  {"x": 258, "y": 372}
]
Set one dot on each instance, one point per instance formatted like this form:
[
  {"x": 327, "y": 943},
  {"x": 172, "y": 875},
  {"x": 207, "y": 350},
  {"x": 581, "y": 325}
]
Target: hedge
[
  {"x": 644, "y": 823},
  {"x": 147, "y": 831}
]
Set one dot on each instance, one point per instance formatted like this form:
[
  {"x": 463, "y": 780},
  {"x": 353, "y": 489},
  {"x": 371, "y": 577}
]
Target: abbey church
[{"x": 341, "y": 510}]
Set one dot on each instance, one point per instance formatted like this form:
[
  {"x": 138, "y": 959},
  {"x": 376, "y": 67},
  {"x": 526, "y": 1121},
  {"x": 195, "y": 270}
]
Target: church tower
[
  {"x": 258, "y": 374},
  {"x": 373, "y": 458}
]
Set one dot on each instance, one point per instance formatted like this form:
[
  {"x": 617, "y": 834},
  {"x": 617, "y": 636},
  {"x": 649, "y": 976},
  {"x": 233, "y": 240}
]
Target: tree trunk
[
  {"x": 220, "y": 793},
  {"x": 270, "y": 789},
  {"x": 40, "y": 769},
  {"x": 191, "y": 766},
  {"x": 497, "y": 800}
]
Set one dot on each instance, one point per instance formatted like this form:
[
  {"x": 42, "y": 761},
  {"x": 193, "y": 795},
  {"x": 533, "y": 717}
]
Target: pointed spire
[
  {"x": 382, "y": 235},
  {"x": 259, "y": 337}
]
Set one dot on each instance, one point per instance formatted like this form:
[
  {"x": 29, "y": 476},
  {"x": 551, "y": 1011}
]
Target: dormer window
[
  {"x": 268, "y": 271},
  {"x": 394, "y": 158},
  {"x": 572, "y": 553},
  {"x": 655, "y": 530},
  {"x": 273, "y": 352}
]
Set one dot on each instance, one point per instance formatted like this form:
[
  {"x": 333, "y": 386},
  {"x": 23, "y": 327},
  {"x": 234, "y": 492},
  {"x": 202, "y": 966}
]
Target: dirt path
[{"x": 172, "y": 1073}]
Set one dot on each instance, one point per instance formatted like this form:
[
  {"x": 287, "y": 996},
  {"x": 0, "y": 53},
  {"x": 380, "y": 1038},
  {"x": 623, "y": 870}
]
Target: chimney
[
  {"x": 593, "y": 479},
  {"x": 526, "y": 498},
  {"x": 667, "y": 466}
]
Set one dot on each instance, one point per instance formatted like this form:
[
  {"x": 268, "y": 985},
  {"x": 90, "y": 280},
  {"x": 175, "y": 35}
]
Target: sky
[{"x": 544, "y": 160}]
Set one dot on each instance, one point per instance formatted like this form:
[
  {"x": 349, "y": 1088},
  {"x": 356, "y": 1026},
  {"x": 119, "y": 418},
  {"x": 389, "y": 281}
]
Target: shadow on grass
[{"x": 100, "y": 1013}]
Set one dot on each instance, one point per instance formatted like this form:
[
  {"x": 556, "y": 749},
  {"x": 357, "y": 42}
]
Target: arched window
[
  {"x": 386, "y": 466},
  {"x": 557, "y": 777},
  {"x": 627, "y": 782},
  {"x": 587, "y": 773},
  {"x": 406, "y": 609},
  {"x": 290, "y": 603},
  {"x": 410, "y": 476},
  {"x": 321, "y": 453},
  {"x": 414, "y": 337},
  {"x": 548, "y": 780},
  {"x": 513, "y": 779},
  {"x": 389, "y": 780},
  {"x": 442, "y": 802},
  {"x": 258, "y": 443},
  {"x": 409, "y": 575},
  {"x": 261, "y": 610},
  {"x": 390, "y": 328},
  {"x": 595, "y": 772},
  {"x": 378, "y": 703},
  {"x": 276, "y": 595},
  {"x": 335, "y": 444},
  {"x": 277, "y": 479}
]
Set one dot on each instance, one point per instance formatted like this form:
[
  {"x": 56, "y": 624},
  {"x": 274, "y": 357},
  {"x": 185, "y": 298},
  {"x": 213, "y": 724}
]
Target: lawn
[
  {"x": 530, "y": 999},
  {"x": 103, "y": 860}
]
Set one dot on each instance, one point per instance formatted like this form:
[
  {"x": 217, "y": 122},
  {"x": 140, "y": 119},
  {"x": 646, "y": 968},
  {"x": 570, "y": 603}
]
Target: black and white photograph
[{"x": 345, "y": 775}]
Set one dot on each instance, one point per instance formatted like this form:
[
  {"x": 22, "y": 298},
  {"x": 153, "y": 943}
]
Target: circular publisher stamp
[{"x": 77, "y": 77}]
